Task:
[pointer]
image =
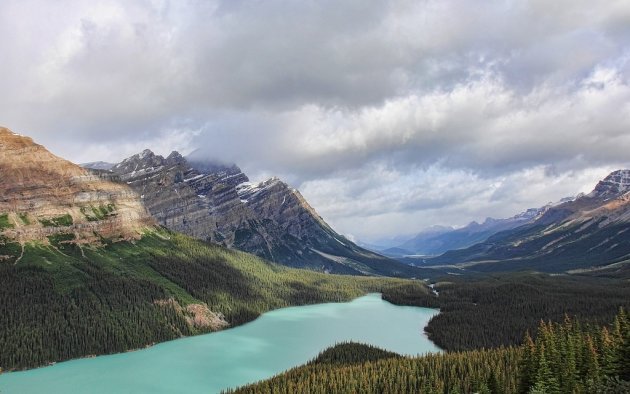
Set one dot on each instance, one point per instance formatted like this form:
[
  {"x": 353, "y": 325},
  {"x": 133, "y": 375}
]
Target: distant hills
[
  {"x": 216, "y": 202},
  {"x": 438, "y": 239},
  {"x": 590, "y": 234}
]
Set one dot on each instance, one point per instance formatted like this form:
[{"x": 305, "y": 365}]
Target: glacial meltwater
[{"x": 209, "y": 363}]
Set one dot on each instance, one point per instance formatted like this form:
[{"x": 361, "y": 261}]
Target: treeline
[
  {"x": 566, "y": 357},
  {"x": 495, "y": 311},
  {"x": 66, "y": 301},
  {"x": 480, "y": 371}
]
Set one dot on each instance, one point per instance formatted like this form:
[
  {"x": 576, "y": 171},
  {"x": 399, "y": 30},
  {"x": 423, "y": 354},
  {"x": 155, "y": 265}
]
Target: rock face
[
  {"x": 42, "y": 195},
  {"x": 614, "y": 185},
  {"x": 217, "y": 203},
  {"x": 592, "y": 230}
]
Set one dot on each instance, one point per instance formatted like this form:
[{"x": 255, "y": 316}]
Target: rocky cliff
[
  {"x": 44, "y": 196},
  {"x": 216, "y": 202}
]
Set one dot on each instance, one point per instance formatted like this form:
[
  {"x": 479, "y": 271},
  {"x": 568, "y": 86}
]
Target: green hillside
[{"x": 63, "y": 300}]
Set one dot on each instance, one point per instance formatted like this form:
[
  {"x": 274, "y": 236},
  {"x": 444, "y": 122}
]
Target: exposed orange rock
[
  {"x": 197, "y": 315},
  {"x": 37, "y": 187}
]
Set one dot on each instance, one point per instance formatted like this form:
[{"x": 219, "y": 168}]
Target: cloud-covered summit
[{"x": 389, "y": 115}]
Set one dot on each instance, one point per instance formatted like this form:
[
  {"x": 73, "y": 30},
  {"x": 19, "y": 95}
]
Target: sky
[{"x": 388, "y": 116}]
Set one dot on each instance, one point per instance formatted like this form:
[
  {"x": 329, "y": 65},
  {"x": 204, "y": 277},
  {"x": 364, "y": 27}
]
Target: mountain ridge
[
  {"x": 439, "y": 239},
  {"x": 216, "y": 202},
  {"x": 588, "y": 232}
]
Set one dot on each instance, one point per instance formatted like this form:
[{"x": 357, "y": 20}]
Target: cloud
[
  {"x": 379, "y": 202},
  {"x": 481, "y": 124},
  {"x": 399, "y": 107}
]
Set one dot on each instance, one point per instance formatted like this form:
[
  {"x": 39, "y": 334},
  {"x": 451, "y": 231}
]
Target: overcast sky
[{"x": 389, "y": 116}]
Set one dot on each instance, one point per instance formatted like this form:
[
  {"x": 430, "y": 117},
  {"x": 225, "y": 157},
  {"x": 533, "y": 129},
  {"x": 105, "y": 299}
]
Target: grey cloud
[{"x": 326, "y": 92}]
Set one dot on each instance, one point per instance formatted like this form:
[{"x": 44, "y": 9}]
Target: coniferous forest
[
  {"x": 567, "y": 357},
  {"x": 496, "y": 310},
  {"x": 126, "y": 296},
  {"x": 61, "y": 301}
]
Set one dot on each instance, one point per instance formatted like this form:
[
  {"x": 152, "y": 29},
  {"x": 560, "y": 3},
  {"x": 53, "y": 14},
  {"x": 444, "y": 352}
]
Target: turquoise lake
[{"x": 273, "y": 343}]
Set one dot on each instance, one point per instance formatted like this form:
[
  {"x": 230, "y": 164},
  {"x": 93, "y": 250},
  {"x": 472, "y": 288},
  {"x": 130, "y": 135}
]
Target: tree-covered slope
[
  {"x": 494, "y": 311},
  {"x": 565, "y": 357},
  {"x": 62, "y": 300}
]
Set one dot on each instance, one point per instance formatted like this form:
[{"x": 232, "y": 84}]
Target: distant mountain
[
  {"x": 589, "y": 232},
  {"x": 97, "y": 165},
  {"x": 379, "y": 245},
  {"x": 437, "y": 240},
  {"x": 216, "y": 202}
]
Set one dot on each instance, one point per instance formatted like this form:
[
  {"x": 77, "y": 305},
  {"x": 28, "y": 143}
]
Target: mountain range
[
  {"x": 436, "y": 240},
  {"x": 217, "y": 203},
  {"x": 587, "y": 234}
]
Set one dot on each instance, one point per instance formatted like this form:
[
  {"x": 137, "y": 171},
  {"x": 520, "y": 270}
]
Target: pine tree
[
  {"x": 593, "y": 370},
  {"x": 609, "y": 354},
  {"x": 545, "y": 380},
  {"x": 528, "y": 364},
  {"x": 624, "y": 347}
]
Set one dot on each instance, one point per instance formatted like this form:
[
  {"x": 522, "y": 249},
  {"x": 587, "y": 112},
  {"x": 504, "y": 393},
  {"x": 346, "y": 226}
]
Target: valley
[{"x": 147, "y": 252}]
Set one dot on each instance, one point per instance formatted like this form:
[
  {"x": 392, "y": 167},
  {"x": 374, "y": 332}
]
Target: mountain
[
  {"x": 381, "y": 244},
  {"x": 84, "y": 269},
  {"x": 216, "y": 202},
  {"x": 587, "y": 233},
  {"x": 44, "y": 197},
  {"x": 437, "y": 240},
  {"x": 97, "y": 165}
]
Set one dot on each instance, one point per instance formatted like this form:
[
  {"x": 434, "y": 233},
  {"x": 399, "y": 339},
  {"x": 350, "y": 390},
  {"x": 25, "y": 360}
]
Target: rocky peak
[
  {"x": 614, "y": 185},
  {"x": 175, "y": 158},
  {"x": 532, "y": 213},
  {"x": 215, "y": 201},
  {"x": 24, "y": 161},
  {"x": 219, "y": 169}
]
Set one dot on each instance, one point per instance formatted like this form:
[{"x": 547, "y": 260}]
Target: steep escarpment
[
  {"x": 183, "y": 199},
  {"x": 44, "y": 196},
  {"x": 216, "y": 202}
]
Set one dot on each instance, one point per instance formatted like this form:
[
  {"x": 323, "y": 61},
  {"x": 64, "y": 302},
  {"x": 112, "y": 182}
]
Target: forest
[
  {"x": 566, "y": 357},
  {"x": 495, "y": 310},
  {"x": 64, "y": 301}
]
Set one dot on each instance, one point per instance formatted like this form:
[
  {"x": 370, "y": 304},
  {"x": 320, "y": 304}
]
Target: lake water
[{"x": 273, "y": 343}]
